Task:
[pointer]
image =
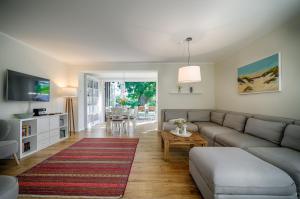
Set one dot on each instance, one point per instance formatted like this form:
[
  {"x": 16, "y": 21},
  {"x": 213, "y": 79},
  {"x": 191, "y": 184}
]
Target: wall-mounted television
[{"x": 24, "y": 87}]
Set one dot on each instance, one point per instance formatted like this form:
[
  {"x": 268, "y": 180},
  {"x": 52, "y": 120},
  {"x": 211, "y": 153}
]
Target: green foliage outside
[{"x": 141, "y": 93}]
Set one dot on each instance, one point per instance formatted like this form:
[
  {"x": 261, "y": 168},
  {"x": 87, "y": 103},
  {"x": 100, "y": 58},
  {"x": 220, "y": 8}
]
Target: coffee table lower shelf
[{"x": 169, "y": 140}]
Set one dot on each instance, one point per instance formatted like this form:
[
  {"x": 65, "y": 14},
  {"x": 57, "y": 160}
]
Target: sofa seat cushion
[
  {"x": 204, "y": 124},
  {"x": 284, "y": 158},
  {"x": 9, "y": 188},
  {"x": 7, "y": 148},
  {"x": 211, "y": 132},
  {"x": 199, "y": 116},
  {"x": 291, "y": 137},
  {"x": 233, "y": 171},
  {"x": 267, "y": 130},
  {"x": 168, "y": 126},
  {"x": 241, "y": 140},
  {"x": 235, "y": 121}
]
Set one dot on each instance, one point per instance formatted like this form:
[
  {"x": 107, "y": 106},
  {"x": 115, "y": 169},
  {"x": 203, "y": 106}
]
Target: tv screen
[{"x": 23, "y": 87}]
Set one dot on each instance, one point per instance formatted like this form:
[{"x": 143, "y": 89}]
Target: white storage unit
[
  {"x": 92, "y": 101},
  {"x": 36, "y": 133}
]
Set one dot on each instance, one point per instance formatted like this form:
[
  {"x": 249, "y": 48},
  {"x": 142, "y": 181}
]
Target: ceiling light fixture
[{"x": 189, "y": 73}]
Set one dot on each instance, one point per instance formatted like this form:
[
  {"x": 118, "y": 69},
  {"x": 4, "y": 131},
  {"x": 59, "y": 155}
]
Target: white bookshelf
[
  {"x": 92, "y": 101},
  {"x": 36, "y": 133}
]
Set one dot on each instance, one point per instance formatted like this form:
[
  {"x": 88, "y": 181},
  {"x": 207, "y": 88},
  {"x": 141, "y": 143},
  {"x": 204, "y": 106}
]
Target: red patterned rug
[{"x": 90, "y": 168}]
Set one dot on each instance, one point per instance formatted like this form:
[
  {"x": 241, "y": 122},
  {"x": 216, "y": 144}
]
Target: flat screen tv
[{"x": 23, "y": 87}]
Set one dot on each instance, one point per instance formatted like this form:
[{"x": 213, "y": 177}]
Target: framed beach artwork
[{"x": 261, "y": 76}]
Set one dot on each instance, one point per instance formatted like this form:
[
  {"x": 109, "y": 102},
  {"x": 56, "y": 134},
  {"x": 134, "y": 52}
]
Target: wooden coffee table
[{"x": 168, "y": 140}]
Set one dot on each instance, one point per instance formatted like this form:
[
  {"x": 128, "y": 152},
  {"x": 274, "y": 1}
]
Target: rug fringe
[{"x": 79, "y": 197}]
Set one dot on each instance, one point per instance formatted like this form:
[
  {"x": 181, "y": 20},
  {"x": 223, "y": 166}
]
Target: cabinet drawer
[
  {"x": 43, "y": 136},
  {"x": 42, "y": 124},
  {"x": 54, "y": 136},
  {"x": 54, "y": 122},
  {"x": 43, "y": 144},
  {"x": 54, "y": 140}
]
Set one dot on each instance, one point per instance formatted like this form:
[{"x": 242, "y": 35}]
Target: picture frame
[{"x": 261, "y": 76}]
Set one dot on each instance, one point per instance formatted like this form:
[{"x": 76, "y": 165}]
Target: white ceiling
[{"x": 89, "y": 31}]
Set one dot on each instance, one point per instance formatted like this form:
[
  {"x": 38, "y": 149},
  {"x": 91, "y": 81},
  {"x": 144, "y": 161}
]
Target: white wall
[
  {"x": 167, "y": 81},
  {"x": 286, "y": 103},
  {"x": 20, "y": 57}
]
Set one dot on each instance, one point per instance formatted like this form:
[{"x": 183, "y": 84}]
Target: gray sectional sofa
[
  {"x": 9, "y": 187},
  {"x": 274, "y": 140}
]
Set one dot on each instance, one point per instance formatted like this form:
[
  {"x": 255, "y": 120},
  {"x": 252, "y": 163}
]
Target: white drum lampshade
[
  {"x": 189, "y": 74},
  {"x": 68, "y": 92}
]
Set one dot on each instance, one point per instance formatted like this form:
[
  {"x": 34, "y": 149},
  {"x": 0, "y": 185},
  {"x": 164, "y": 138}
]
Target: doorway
[
  {"x": 133, "y": 91},
  {"x": 140, "y": 97}
]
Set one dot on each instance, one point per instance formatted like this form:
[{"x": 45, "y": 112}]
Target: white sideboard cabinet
[{"x": 36, "y": 133}]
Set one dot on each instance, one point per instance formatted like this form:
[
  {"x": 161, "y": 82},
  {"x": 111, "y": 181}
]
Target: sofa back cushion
[
  {"x": 169, "y": 115},
  {"x": 5, "y": 129},
  {"x": 274, "y": 119},
  {"x": 297, "y": 122},
  {"x": 235, "y": 121},
  {"x": 217, "y": 117},
  {"x": 291, "y": 137},
  {"x": 267, "y": 130},
  {"x": 199, "y": 116}
]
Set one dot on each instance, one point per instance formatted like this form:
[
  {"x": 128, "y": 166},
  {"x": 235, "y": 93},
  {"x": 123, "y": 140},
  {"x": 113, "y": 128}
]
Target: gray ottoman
[
  {"x": 232, "y": 173},
  {"x": 9, "y": 187}
]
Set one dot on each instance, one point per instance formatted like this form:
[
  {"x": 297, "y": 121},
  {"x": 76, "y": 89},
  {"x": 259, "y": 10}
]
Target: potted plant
[
  {"x": 123, "y": 101},
  {"x": 180, "y": 125}
]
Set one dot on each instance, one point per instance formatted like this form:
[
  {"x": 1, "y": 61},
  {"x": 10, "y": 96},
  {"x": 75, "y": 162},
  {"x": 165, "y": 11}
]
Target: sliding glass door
[{"x": 140, "y": 96}]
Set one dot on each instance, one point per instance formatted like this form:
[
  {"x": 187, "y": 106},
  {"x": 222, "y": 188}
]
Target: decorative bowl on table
[{"x": 186, "y": 134}]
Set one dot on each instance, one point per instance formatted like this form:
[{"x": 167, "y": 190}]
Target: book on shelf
[
  {"x": 26, "y": 130},
  {"x": 26, "y": 146},
  {"x": 61, "y": 122},
  {"x": 62, "y": 133}
]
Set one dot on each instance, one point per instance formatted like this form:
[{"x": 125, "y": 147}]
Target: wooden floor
[{"x": 151, "y": 177}]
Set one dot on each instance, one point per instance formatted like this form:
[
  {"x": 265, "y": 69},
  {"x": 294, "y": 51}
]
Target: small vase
[
  {"x": 179, "y": 89},
  {"x": 184, "y": 130},
  {"x": 177, "y": 130},
  {"x": 181, "y": 130}
]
